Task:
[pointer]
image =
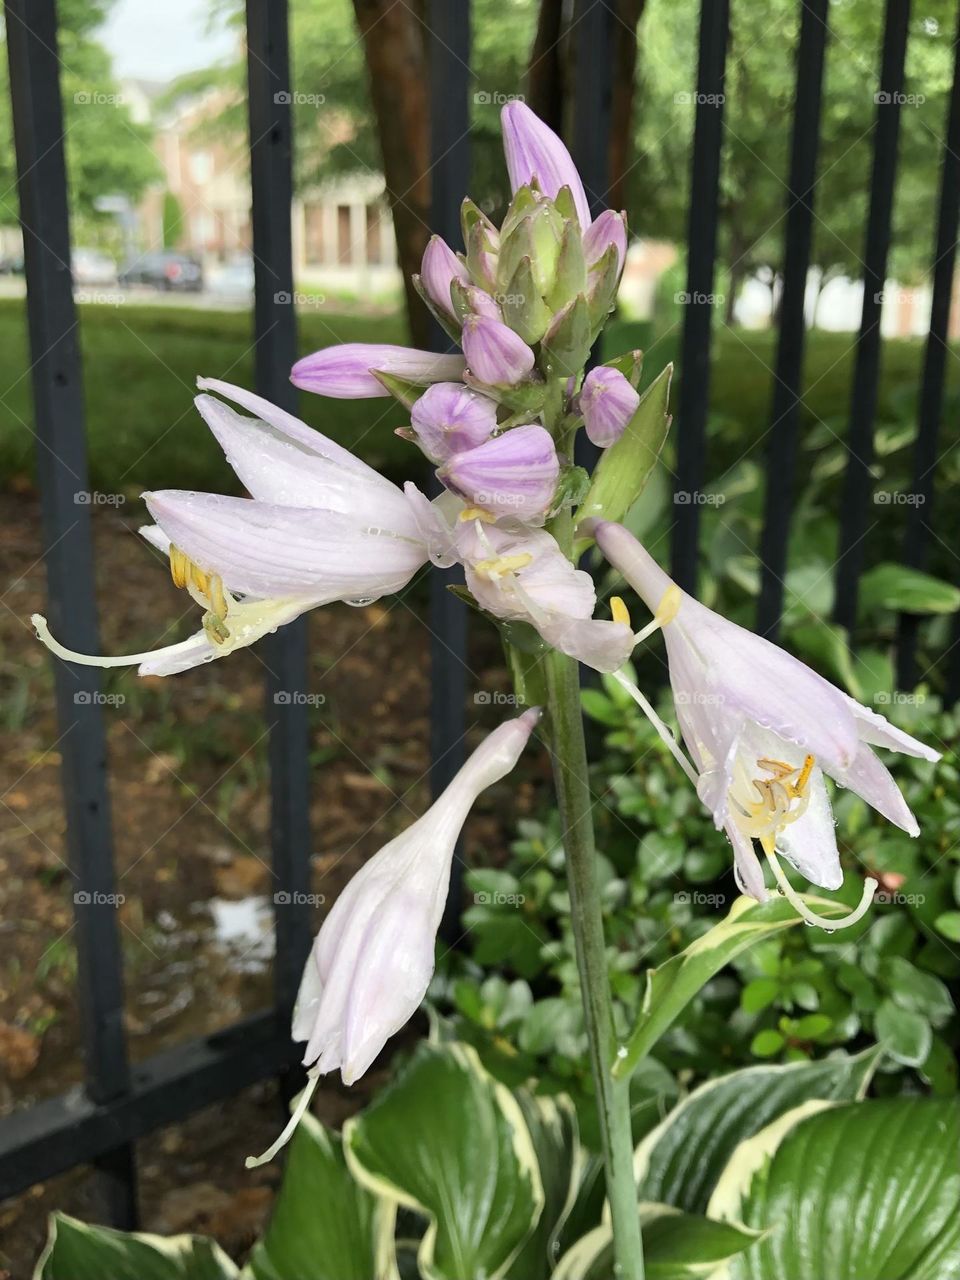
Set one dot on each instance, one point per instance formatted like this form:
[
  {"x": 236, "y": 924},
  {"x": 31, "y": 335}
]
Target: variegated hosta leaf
[
  {"x": 864, "y": 1191},
  {"x": 680, "y": 1161},
  {"x": 447, "y": 1139},
  {"x": 672, "y": 986},
  {"x": 324, "y": 1226},
  {"x": 676, "y": 1246},
  {"x": 77, "y": 1251},
  {"x": 553, "y": 1127}
]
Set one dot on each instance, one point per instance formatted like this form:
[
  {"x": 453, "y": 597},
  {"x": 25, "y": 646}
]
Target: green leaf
[
  {"x": 552, "y": 1123},
  {"x": 913, "y": 988},
  {"x": 681, "y": 1160},
  {"x": 904, "y": 1034},
  {"x": 78, "y": 1251},
  {"x": 766, "y": 1043},
  {"x": 672, "y": 986},
  {"x": 894, "y": 586},
  {"x": 324, "y": 1225},
  {"x": 446, "y": 1139},
  {"x": 949, "y": 925},
  {"x": 865, "y": 1191},
  {"x": 676, "y": 1246},
  {"x": 625, "y": 467},
  {"x": 757, "y": 995}
]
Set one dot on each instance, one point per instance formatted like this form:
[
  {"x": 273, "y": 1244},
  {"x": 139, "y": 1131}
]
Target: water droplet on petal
[{"x": 360, "y": 603}]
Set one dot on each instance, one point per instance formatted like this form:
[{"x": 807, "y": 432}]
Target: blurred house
[{"x": 342, "y": 231}]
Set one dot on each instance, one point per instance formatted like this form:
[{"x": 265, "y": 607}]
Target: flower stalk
[{"x": 569, "y": 759}]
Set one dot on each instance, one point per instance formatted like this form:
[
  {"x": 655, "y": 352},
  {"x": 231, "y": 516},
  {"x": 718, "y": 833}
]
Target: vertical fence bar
[
  {"x": 285, "y": 654},
  {"x": 920, "y": 514},
  {"x": 784, "y": 427},
  {"x": 855, "y": 498},
  {"x": 701, "y": 250},
  {"x": 31, "y": 29},
  {"x": 448, "y": 58}
]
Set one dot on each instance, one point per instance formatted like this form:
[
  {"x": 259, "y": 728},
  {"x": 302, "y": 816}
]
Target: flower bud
[
  {"x": 449, "y": 418},
  {"x": 514, "y": 474},
  {"x": 534, "y": 153},
  {"x": 346, "y": 371},
  {"x": 607, "y": 402},
  {"x": 469, "y": 299},
  {"x": 495, "y": 354},
  {"x": 440, "y": 267},
  {"x": 609, "y": 229}
]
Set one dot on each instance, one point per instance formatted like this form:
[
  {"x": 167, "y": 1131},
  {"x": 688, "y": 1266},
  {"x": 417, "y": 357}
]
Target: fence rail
[{"x": 117, "y": 1104}]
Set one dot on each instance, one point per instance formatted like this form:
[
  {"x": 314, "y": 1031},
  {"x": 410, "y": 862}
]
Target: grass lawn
[{"x": 140, "y": 362}]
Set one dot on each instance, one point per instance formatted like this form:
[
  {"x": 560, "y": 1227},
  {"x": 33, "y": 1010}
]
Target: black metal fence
[{"x": 118, "y": 1104}]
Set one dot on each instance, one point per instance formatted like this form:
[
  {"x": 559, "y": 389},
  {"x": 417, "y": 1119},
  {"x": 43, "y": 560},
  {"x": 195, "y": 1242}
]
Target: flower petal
[
  {"x": 873, "y": 782},
  {"x": 533, "y": 151},
  {"x": 344, "y": 371},
  {"x": 810, "y": 842},
  {"x": 879, "y": 732}
]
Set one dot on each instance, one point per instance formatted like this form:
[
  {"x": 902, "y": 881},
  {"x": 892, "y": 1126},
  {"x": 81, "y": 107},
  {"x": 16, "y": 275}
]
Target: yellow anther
[
  {"x": 219, "y": 601},
  {"x": 805, "y": 773},
  {"x": 668, "y": 607},
  {"x": 477, "y": 513},
  {"x": 216, "y": 629},
  {"x": 179, "y": 566},
  {"x": 619, "y": 611},
  {"x": 500, "y": 565}
]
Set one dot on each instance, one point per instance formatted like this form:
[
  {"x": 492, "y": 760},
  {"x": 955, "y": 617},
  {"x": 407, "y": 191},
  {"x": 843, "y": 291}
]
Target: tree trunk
[
  {"x": 399, "y": 88},
  {"x": 545, "y": 77},
  {"x": 624, "y": 81}
]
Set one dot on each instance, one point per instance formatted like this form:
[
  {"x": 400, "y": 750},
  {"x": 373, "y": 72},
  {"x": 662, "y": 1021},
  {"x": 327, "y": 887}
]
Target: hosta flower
[
  {"x": 515, "y": 474},
  {"x": 438, "y": 270},
  {"x": 521, "y": 575},
  {"x": 450, "y": 417},
  {"x": 608, "y": 401},
  {"x": 764, "y": 731},
  {"x": 610, "y": 228},
  {"x": 321, "y": 526},
  {"x": 534, "y": 153},
  {"x": 373, "y": 959},
  {"x": 495, "y": 354},
  {"x": 346, "y": 372}
]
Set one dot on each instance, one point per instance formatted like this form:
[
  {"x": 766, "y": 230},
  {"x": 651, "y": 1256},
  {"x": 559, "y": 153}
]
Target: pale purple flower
[
  {"x": 439, "y": 269},
  {"x": 610, "y": 228},
  {"x": 321, "y": 526},
  {"x": 534, "y": 152},
  {"x": 345, "y": 372},
  {"x": 372, "y": 961},
  {"x": 763, "y": 730},
  {"x": 495, "y": 354},
  {"x": 608, "y": 401},
  {"x": 521, "y": 575},
  {"x": 514, "y": 474},
  {"x": 450, "y": 417},
  {"x": 482, "y": 304}
]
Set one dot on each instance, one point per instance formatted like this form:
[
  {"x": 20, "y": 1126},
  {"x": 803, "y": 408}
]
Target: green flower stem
[{"x": 573, "y": 795}]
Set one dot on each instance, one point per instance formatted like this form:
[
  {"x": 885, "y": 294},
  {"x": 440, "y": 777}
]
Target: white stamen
[
  {"x": 313, "y": 1078},
  {"x": 668, "y": 738},
  {"x": 811, "y": 917},
  {"x": 103, "y": 660}
]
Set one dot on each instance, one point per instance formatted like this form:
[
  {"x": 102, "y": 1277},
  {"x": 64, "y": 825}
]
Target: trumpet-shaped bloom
[
  {"x": 521, "y": 575},
  {"x": 346, "y": 372},
  {"x": 514, "y": 474},
  {"x": 764, "y": 730},
  {"x": 534, "y": 153},
  {"x": 372, "y": 961},
  {"x": 321, "y": 526}
]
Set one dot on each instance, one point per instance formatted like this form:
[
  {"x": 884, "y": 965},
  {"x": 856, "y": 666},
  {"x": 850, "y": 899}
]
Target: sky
[{"x": 160, "y": 39}]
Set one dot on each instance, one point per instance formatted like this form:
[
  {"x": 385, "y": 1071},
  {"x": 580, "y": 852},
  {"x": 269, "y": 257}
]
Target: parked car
[
  {"x": 92, "y": 266},
  {"x": 234, "y": 278},
  {"x": 12, "y": 265},
  {"x": 165, "y": 270}
]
